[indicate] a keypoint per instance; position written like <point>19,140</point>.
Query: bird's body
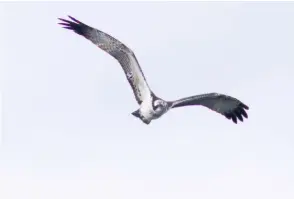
<point>151,106</point>
<point>146,111</point>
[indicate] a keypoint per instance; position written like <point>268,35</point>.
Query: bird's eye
<point>156,106</point>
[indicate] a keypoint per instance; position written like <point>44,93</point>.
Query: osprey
<point>151,106</point>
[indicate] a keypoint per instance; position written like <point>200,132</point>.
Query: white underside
<point>146,109</point>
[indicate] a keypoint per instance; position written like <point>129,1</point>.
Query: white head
<point>160,106</point>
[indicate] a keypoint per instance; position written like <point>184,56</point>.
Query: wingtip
<point>70,17</point>
<point>64,24</point>
<point>234,119</point>
<point>74,19</point>
<point>63,21</point>
<point>69,28</point>
<point>72,24</point>
<point>245,106</point>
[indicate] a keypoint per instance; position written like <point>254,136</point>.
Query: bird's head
<point>159,106</point>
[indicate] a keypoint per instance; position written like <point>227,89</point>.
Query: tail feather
<point>136,113</point>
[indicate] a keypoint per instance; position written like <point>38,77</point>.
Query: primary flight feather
<point>151,106</point>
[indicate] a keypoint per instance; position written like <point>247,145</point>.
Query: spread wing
<point>228,106</point>
<point>116,49</point>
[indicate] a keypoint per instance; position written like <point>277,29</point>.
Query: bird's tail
<point>136,113</point>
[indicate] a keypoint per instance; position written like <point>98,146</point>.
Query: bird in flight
<point>151,106</point>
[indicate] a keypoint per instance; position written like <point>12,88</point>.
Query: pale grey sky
<point>67,127</point>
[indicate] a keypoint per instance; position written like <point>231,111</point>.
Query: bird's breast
<point>146,109</point>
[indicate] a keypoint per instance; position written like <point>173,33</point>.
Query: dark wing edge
<point>96,36</point>
<point>116,49</point>
<point>232,108</point>
<point>75,25</point>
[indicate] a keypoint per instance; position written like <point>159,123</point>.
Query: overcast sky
<point>67,128</point>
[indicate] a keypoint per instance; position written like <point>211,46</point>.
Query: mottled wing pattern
<point>228,106</point>
<point>116,49</point>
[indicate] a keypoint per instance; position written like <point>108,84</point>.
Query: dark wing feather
<point>228,106</point>
<point>116,49</point>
